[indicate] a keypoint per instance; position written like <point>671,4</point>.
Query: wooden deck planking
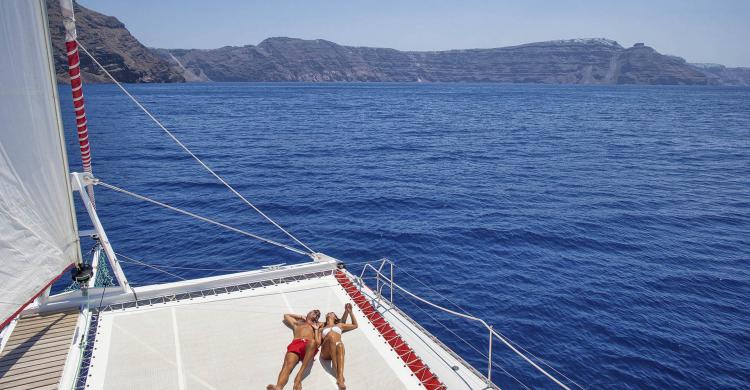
<point>32,377</point>
<point>30,362</point>
<point>43,318</point>
<point>41,378</point>
<point>37,326</point>
<point>53,331</point>
<point>35,354</point>
<point>27,371</point>
<point>49,337</point>
<point>36,350</point>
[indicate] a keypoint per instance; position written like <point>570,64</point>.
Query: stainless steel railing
<point>388,280</point>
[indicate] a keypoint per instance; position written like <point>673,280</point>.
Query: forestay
<point>38,235</point>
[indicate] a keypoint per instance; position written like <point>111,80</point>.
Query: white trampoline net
<point>234,343</point>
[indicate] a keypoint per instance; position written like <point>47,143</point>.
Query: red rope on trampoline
<point>429,380</point>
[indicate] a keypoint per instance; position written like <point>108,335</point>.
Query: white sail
<point>38,233</point>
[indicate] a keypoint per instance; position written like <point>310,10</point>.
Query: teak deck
<point>35,354</point>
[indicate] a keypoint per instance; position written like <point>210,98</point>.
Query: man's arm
<point>292,319</point>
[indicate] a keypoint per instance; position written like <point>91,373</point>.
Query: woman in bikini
<point>333,348</point>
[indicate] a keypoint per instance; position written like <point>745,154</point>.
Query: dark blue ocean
<point>604,229</point>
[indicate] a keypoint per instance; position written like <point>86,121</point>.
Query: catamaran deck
<point>35,354</point>
<point>236,339</point>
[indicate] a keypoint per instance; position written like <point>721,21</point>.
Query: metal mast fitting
<point>79,182</point>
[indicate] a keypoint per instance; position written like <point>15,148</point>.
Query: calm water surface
<point>605,229</point>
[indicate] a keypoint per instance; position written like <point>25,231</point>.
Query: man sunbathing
<point>303,347</point>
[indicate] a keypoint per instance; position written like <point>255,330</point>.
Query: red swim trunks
<point>298,347</point>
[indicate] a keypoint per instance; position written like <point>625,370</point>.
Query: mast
<point>76,84</point>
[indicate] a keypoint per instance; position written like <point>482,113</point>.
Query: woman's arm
<point>353,325</point>
<point>345,316</point>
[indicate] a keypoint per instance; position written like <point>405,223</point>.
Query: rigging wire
<point>231,269</point>
<point>198,269</point>
<point>132,260</point>
<point>211,271</point>
<point>188,151</point>
<point>196,216</point>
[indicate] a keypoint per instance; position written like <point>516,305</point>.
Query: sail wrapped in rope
<point>76,84</point>
<point>38,233</point>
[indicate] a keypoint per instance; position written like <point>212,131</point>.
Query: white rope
<point>185,148</point>
<point>514,343</point>
<point>204,219</point>
<point>486,325</point>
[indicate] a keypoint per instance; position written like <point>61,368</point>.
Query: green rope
<point>103,276</point>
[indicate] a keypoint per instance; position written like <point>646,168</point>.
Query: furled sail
<point>38,234</point>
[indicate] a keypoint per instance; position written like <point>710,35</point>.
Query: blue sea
<point>605,230</point>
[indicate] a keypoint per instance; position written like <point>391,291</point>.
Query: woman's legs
<point>340,354</point>
<point>325,349</point>
<point>333,350</point>
<point>333,353</point>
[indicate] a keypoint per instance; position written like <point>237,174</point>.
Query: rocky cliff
<point>574,61</point>
<point>722,75</point>
<point>111,43</point>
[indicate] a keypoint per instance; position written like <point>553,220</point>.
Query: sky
<point>716,31</point>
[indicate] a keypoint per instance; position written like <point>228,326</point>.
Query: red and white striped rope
<point>74,70</point>
<point>76,84</point>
